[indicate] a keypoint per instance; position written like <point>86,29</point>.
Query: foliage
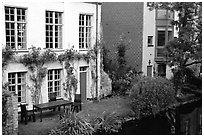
<point>187,79</point>
<point>109,123</point>
<point>7,55</point>
<point>186,50</point>
<point>70,81</point>
<point>122,85</point>
<point>151,95</point>
<point>71,54</point>
<point>121,74</point>
<point>70,124</point>
<point>35,60</point>
<point>5,95</point>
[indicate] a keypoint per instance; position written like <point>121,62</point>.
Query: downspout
<point>97,51</point>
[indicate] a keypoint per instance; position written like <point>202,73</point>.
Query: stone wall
<point>12,117</point>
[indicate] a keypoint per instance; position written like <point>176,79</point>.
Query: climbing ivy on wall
<point>35,59</point>
<point>7,55</point>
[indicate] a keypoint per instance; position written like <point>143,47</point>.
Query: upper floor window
<point>15,22</point>
<point>161,38</point>
<point>17,84</point>
<point>84,31</point>
<point>164,14</point>
<point>150,41</point>
<point>53,29</point>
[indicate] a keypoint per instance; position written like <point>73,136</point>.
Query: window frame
<point>85,31</point>
<point>53,80</point>
<point>150,44</point>
<point>53,42</point>
<point>16,23</point>
<point>16,84</point>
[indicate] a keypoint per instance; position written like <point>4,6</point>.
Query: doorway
<point>83,83</point>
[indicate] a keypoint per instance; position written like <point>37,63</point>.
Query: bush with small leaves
<point>151,95</point>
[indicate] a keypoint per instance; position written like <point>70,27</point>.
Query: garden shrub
<point>151,95</point>
<point>108,123</point>
<point>5,95</point>
<point>70,124</point>
<point>123,85</point>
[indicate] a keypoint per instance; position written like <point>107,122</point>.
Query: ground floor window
<point>17,84</point>
<point>54,82</point>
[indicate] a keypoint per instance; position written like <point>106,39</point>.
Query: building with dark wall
<point>119,18</point>
<point>146,30</point>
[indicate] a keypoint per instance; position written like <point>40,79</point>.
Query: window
<point>149,71</point>
<point>150,41</point>
<point>53,29</point>
<point>84,31</point>
<point>161,42</point>
<point>161,38</point>
<point>15,22</point>
<point>17,84</point>
<point>54,82</point>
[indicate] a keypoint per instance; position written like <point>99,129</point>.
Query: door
<point>149,71</point>
<point>83,83</point>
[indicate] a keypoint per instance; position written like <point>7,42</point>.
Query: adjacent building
<point>146,30</point>
<point>50,25</point>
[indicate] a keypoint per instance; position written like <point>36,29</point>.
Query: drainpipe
<point>97,51</point>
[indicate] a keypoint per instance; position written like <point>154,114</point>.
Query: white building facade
<point>50,25</point>
<point>157,31</point>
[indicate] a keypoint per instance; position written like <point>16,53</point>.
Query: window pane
<point>21,35</point>
<point>161,38</point>
<point>49,74</point>
<point>84,31</point>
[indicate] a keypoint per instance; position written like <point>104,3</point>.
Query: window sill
<point>55,50</point>
<point>150,45</point>
<point>59,98</point>
<point>20,50</point>
<point>83,49</point>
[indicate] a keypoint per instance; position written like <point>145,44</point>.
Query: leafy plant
<point>35,60</point>
<point>5,95</point>
<point>109,123</point>
<point>151,95</point>
<point>186,50</point>
<point>70,124</point>
<point>122,75</point>
<point>7,55</point>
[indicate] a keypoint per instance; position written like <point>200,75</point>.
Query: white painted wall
<point>148,30</point>
<point>36,34</point>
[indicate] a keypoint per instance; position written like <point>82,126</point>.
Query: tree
<point>186,50</point>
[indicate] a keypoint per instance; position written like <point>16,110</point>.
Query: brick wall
<point>124,18</point>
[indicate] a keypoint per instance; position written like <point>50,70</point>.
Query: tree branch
<point>195,62</point>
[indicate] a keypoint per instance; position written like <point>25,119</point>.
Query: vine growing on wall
<point>7,55</point>
<point>5,95</point>
<point>35,60</point>
<point>67,57</point>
